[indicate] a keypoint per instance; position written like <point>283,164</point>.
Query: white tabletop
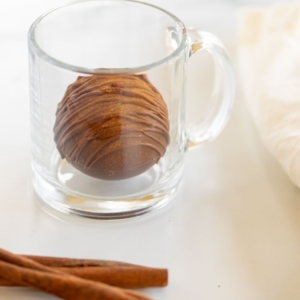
<point>233,232</point>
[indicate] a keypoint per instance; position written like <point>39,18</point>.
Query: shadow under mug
<point>107,88</point>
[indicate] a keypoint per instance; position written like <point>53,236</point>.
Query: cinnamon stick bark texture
<point>115,273</point>
<point>52,261</point>
<point>79,279</point>
<point>125,277</point>
<point>65,286</point>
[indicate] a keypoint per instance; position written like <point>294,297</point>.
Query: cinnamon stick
<point>125,277</point>
<point>66,287</point>
<point>26,272</point>
<point>115,273</point>
<point>52,261</point>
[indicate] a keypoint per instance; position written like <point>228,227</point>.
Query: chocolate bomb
<point>112,126</point>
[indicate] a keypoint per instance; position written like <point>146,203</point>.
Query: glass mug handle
<point>221,101</point>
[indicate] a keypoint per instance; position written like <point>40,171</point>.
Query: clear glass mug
<point>107,88</point>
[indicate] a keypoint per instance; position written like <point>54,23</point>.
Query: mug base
<point>108,200</point>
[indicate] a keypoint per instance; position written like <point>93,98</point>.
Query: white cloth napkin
<point>269,61</point>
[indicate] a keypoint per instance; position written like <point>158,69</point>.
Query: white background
<point>232,233</point>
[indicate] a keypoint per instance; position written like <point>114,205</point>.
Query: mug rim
<point>37,50</point>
